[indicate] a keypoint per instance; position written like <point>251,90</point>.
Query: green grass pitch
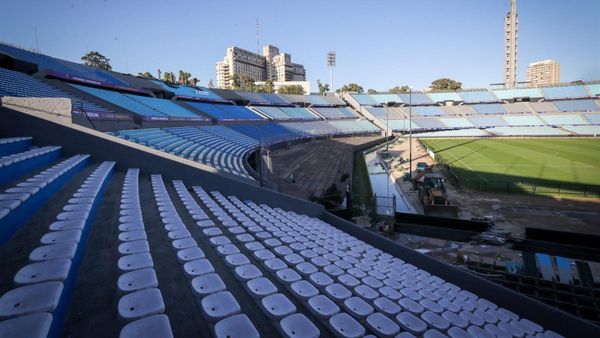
<point>547,163</point>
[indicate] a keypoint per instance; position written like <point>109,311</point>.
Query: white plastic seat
<point>298,326</point>
<point>287,276</point>
<point>206,284</point>
<point>179,234</point>
<point>238,326</point>
<point>65,236</point>
<point>227,249</point>
<point>303,290</point>
<point>478,332</point>
<point>198,267</point>
<point>431,306</point>
<point>381,325</point>
<point>306,268</point>
<point>183,243</point>
<point>338,292</point>
<point>219,305</point>
<point>78,224</point>
<point>496,331</point>
<point>322,307</point>
<point>455,320</point>
<point>333,270</point>
<point>260,287</point>
<point>247,272</point>
<point>254,246</point>
<point>32,326</point>
<point>456,332</point>
<point>410,322</point>
<point>390,293</point>
<point>386,306</point>
<point>51,270</point>
<point>277,306</point>
<point>43,297</point>
<point>358,307</point>
<point>137,280</point>
<point>205,223</point>
<point>366,292</point>
<point>53,251</point>
<point>236,260</point>
<point>471,318</point>
<point>135,262</point>
<point>434,320</point>
<point>348,280</point>
<point>189,254</point>
<point>133,247</point>
<point>345,326</point>
<point>156,326</point>
<point>212,232</point>
<point>512,329</point>
<point>219,240</point>
<point>320,279</point>
<point>131,226</point>
<point>263,254</point>
<point>140,304</point>
<point>274,264</point>
<point>135,235</point>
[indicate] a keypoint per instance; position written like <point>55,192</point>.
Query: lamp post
<point>410,133</point>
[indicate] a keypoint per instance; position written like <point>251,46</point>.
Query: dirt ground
<point>509,212</point>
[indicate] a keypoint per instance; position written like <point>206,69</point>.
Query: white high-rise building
<point>272,65</point>
<point>543,73</point>
<point>511,29</point>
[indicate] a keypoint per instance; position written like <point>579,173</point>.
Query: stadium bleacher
<point>14,83</point>
<point>490,108</point>
<point>523,120</point>
<point>336,113</point>
<point>445,96</point>
<point>456,122</point>
<point>565,92</point>
<point>223,112</point>
<point>527,131</point>
<point>487,121</point>
<point>478,96</point>
<point>510,94</point>
<point>428,111</point>
<point>217,146</point>
<point>564,119</point>
<point>62,67</point>
<point>576,105</point>
<point>147,107</point>
<point>189,92</point>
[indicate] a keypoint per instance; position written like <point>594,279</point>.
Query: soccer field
<point>540,165</point>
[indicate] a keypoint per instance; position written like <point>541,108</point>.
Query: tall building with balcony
<point>272,65</point>
<point>542,73</point>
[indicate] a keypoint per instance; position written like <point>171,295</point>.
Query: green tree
<point>146,75</point>
<point>293,90</point>
<point>399,90</point>
<point>445,84</point>
<point>267,87</point>
<point>351,87</point>
<point>371,91</point>
<point>193,82</point>
<point>96,60</point>
<point>323,87</point>
<point>169,77</point>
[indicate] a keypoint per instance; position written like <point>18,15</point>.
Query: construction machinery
<point>432,194</point>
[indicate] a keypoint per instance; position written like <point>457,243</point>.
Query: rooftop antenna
<point>37,47</point>
<point>331,63</point>
<point>257,35</point>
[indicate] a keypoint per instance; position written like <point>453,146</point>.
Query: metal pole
<point>387,128</point>
<point>330,79</point>
<point>410,133</point>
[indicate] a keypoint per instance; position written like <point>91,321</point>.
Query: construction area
<point>318,170</point>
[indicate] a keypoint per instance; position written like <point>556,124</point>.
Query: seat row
<point>420,302</point>
<point>218,305</point>
<point>12,166</point>
<point>11,145</point>
<point>141,304</point>
<point>18,203</point>
<point>227,238</point>
<point>38,305</point>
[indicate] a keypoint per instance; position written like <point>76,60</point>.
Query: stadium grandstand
<point>158,226</point>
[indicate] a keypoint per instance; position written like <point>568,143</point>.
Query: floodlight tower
<point>331,64</point>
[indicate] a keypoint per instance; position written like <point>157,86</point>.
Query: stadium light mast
<point>410,133</point>
<point>331,63</point>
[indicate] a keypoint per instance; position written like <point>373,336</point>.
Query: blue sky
<point>379,44</point>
